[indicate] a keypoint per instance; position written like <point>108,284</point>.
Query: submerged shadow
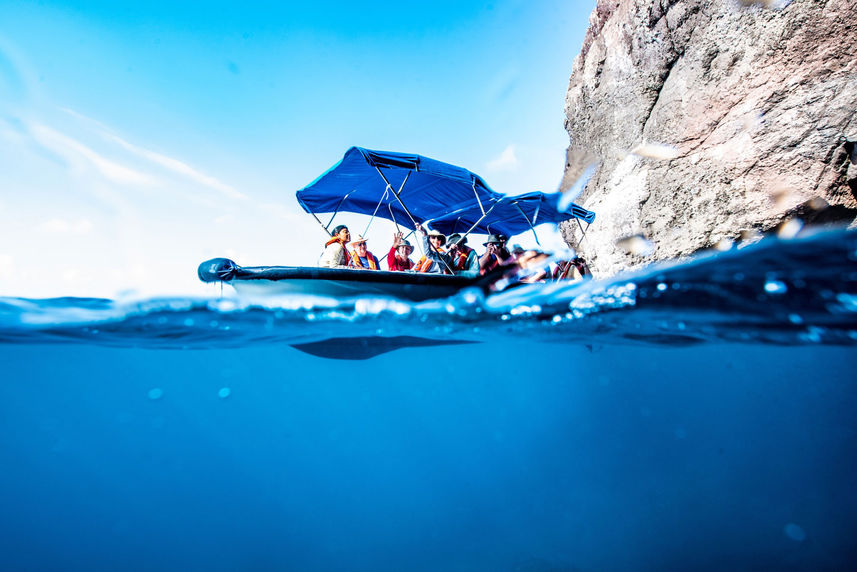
<point>368,346</point>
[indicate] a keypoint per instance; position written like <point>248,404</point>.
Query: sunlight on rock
<point>637,245</point>
<point>657,151</point>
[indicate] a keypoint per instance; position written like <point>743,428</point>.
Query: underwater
<point>691,415</point>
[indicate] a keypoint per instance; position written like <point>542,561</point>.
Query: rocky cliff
<point>708,120</point>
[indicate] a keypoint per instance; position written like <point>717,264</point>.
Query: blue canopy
<point>398,187</point>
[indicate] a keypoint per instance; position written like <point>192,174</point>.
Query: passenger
<point>574,269</point>
<point>399,257</point>
<point>335,254</point>
<point>435,260</point>
<point>465,258</point>
<point>496,253</point>
<point>534,266</point>
<point>362,258</point>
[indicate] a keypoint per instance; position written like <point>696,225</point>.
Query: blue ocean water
<point>691,416</point>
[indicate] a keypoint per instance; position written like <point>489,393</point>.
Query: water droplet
<point>637,244</point>
<point>657,151</point>
<point>790,228</point>
<point>794,532</point>
<point>662,287</point>
<point>775,287</point>
<point>156,393</point>
<point>795,319</point>
<point>224,392</point>
<point>213,323</point>
<point>188,322</point>
<point>723,244</point>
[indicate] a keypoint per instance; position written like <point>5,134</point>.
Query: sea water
<point>699,415</point>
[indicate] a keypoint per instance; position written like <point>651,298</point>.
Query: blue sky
<point>137,141</point>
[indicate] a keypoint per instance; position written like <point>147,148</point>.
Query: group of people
<point>443,255</point>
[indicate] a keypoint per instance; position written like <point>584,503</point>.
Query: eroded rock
<point>758,103</point>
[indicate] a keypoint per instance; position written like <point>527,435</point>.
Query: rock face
<point>757,105</point>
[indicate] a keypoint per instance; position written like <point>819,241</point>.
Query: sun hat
<point>494,239</point>
<point>358,239</point>
<point>457,239</point>
<point>406,244</point>
<point>438,234</point>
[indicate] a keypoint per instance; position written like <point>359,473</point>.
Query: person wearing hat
<point>496,253</point>
<point>435,260</point>
<point>399,257</point>
<point>362,258</point>
<point>465,258</point>
<point>335,253</point>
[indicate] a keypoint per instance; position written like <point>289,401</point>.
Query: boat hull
<point>335,282</point>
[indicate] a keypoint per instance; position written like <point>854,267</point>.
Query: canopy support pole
<point>322,224</point>
<point>384,196</point>
<point>477,197</point>
<point>398,198</point>
<point>583,232</point>
<point>532,228</point>
<point>475,224</point>
<point>333,216</point>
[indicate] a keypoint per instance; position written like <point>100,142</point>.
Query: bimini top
<point>406,188</point>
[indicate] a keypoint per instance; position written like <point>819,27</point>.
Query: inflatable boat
<point>258,281</point>
<point>407,190</point>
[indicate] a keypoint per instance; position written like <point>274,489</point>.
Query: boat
<point>339,283</point>
<point>407,190</point>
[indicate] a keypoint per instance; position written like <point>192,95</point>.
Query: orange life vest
<point>355,259</point>
<point>424,263</point>
<point>340,241</point>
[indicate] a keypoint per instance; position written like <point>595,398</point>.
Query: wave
<point>792,292</point>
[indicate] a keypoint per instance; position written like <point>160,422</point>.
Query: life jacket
<point>348,260</point>
<point>424,263</point>
<point>461,259</point>
<point>355,260</point>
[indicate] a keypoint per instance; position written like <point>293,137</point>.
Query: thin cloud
<point>505,161</point>
<point>178,167</point>
<point>79,155</point>
<point>62,226</point>
<point>169,163</point>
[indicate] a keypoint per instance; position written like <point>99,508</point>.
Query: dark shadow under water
<point>498,456</point>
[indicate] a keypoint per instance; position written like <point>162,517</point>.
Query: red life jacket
<point>461,259</point>
<point>355,260</point>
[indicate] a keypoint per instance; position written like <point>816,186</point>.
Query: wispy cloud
<point>79,157</point>
<point>505,161</point>
<point>62,226</point>
<point>170,163</point>
<point>178,167</point>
